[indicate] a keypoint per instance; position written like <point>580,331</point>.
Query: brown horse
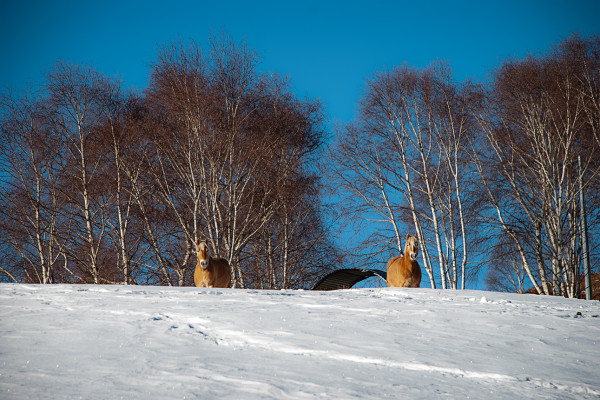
<point>405,271</point>
<point>211,272</point>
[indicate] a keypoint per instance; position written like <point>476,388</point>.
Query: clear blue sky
<point>327,48</point>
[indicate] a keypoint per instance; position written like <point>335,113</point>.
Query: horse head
<point>412,246</point>
<point>202,253</point>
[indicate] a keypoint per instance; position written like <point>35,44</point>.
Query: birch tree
<point>124,144</point>
<point>77,109</point>
<point>224,141</point>
<point>402,161</point>
<point>31,206</point>
<point>537,120</point>
<point>111,187</point>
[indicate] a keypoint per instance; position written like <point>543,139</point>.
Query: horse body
<point>404,271</point>
<point>211,272</point>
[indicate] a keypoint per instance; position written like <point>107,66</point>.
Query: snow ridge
<point>102,342</point>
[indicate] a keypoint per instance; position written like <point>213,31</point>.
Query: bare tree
<point>121,137</point>
<point>505,271</point>
<point>538,118</point>
<point>201,169</point>
<point>225,142</point>
<point>404,161</point>
<point>76,102</point>
<point>30,202</point>
<point>121,186</point>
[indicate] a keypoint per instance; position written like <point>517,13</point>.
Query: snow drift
<point>131,342</point>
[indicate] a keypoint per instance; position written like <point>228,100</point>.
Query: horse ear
<point>407,236</point>
<point>416,236</point>
<point>197,242</point>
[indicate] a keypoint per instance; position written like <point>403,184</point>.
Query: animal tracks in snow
<point>274,341</point>
<point>156,342</point>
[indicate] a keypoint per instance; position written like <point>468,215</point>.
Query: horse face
<point>202,254</point>
<point>412,246</point>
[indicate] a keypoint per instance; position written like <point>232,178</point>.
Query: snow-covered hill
<point>130,342</point>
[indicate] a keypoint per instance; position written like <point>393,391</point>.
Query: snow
<point>132,342</point>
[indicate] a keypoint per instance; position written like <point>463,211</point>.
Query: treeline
<point>100,185</point>
<point>486,174</point>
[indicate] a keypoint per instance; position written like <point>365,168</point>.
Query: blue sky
<point>327,48</point>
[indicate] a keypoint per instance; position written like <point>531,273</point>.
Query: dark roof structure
<point>346,278</point>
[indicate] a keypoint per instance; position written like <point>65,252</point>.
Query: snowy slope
<point>130,342</point>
